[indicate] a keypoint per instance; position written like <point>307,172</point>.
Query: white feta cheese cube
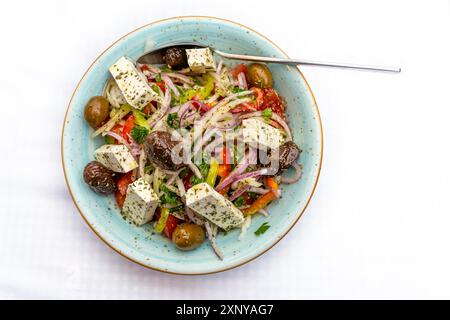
<point>200,60</point>
<point>115,157</point>
<point>210,204</point>
<point>133,84</point>
<point>140,202</point>
<point>261,135</point>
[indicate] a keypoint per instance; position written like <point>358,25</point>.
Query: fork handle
<point>306,62</point>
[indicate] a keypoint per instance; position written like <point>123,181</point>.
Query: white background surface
<point>379,223</point>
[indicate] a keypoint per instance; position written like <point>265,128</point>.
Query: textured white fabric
<point>378,224</point>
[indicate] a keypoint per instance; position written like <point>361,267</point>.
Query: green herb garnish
<point>139,133</point>
<point>204,168</point>
<point>263,228</point>
<point>168,196</point>
<point>158,77</point>
<point>239,202</point>
<point>173,121</point>
<point>177,208</point>
<point>236,90</point>
<point>267,114</point>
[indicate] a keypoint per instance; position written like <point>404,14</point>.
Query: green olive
<point>188,236</point>
<point>96,111</point>
<point>259,75</point>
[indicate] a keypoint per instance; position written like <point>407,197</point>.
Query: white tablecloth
<point>378,225</point>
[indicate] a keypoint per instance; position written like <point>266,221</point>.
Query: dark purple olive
<point>99,178</point>
<point>161,150</point>
<point>176,58</point>
<point>281,158</point>
<point>288,153</point>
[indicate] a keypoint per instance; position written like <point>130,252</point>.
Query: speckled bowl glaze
<point>140,244</point>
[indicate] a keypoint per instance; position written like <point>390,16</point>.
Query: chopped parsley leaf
<point>138,133</point>
<point>236,89</point>
<point>239,202</point>
<point>173,121</point>
<point>177,208</point>
<point>168,196</point>
<point>263,228</point>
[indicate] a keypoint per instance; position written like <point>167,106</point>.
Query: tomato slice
<point>273,101</point>
<point>238,69</point>
<point>171,223</point>
<point>259,97</point>
<point>124,181</point>
<point>120,198</point>
<point>161,85</point>
<point>127,127</point>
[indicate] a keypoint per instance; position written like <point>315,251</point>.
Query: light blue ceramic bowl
<point>139,244</point>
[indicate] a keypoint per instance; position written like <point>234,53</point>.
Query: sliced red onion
<point>170,84</point>
<point>173,177</point>
<point>161,112</point>
<point>231,121</point>
<point>180,77</point>
<point>195,170</point>
<point>212,239</point>
<point>232,177</point>
<point>184,108</point>
<point>135,151</point>
<point>239,191</point>
<point>283,123</point>
<point>236,173</point>
<point>135,147</point>
<point>141,164</point>
<point>189,120</point>
<point>184,71</point>
<point>252,174</point>
<point>258,190</point>
<point>174,109</point>
<point>180,186</point>
<point>193,217</point>
<point>223,102</point>
<point>212,99</point>
<point>295,177</point>
<point>219,66</point>
<point>275,117</point>
<point>226,125</point>
<point>242,81</point>
<point>251,115</point>
<point>263,212</point>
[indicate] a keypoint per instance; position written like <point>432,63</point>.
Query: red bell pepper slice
<point>225,166</point>
<point>127,127</point>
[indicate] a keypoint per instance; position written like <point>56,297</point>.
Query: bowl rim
<point>110,245</point>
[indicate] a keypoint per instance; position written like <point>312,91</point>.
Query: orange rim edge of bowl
<point>200,273</point>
